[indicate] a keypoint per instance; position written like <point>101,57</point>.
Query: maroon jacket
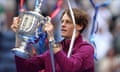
<point>81,60</point>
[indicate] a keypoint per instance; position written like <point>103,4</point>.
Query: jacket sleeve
<point>75,62</point>
<point>32,65</point>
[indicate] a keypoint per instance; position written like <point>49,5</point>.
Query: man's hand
<point>49,28</point>
<point>15,24</point>
<point>14,27</point>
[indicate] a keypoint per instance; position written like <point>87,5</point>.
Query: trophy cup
<point>28,28</point>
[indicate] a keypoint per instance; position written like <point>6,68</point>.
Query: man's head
<point>81,20</point>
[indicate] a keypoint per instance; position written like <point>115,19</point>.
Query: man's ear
<point>79,27</point>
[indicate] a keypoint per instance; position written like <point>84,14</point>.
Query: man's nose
<point>63,24</point>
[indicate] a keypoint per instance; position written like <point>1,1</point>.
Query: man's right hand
<point>15,24</point>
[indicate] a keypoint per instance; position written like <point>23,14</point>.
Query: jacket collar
<point>66,42</point>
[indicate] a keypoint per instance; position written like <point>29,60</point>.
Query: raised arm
<point>14,27</point>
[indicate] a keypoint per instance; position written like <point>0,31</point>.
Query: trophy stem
<point>23,45</point>
<point>21,51</point>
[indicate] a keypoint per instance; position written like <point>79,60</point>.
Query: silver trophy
<point>31,21</point>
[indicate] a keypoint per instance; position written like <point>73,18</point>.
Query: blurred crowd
<point>107,37</point>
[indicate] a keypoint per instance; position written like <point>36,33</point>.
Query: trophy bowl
<point>28,28</point>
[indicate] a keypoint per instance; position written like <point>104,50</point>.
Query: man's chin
<point>64,36</point>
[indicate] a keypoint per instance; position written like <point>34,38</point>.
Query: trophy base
<point>21,53</point>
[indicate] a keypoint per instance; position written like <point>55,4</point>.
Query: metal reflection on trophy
<point>31,21</point>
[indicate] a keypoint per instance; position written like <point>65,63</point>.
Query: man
<point>82,56</point>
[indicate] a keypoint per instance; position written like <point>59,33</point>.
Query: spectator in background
<point>103,33</point>
<point>116,34</point>
<point>7,37</point>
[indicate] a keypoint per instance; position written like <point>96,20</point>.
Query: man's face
<point>66,26</point>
